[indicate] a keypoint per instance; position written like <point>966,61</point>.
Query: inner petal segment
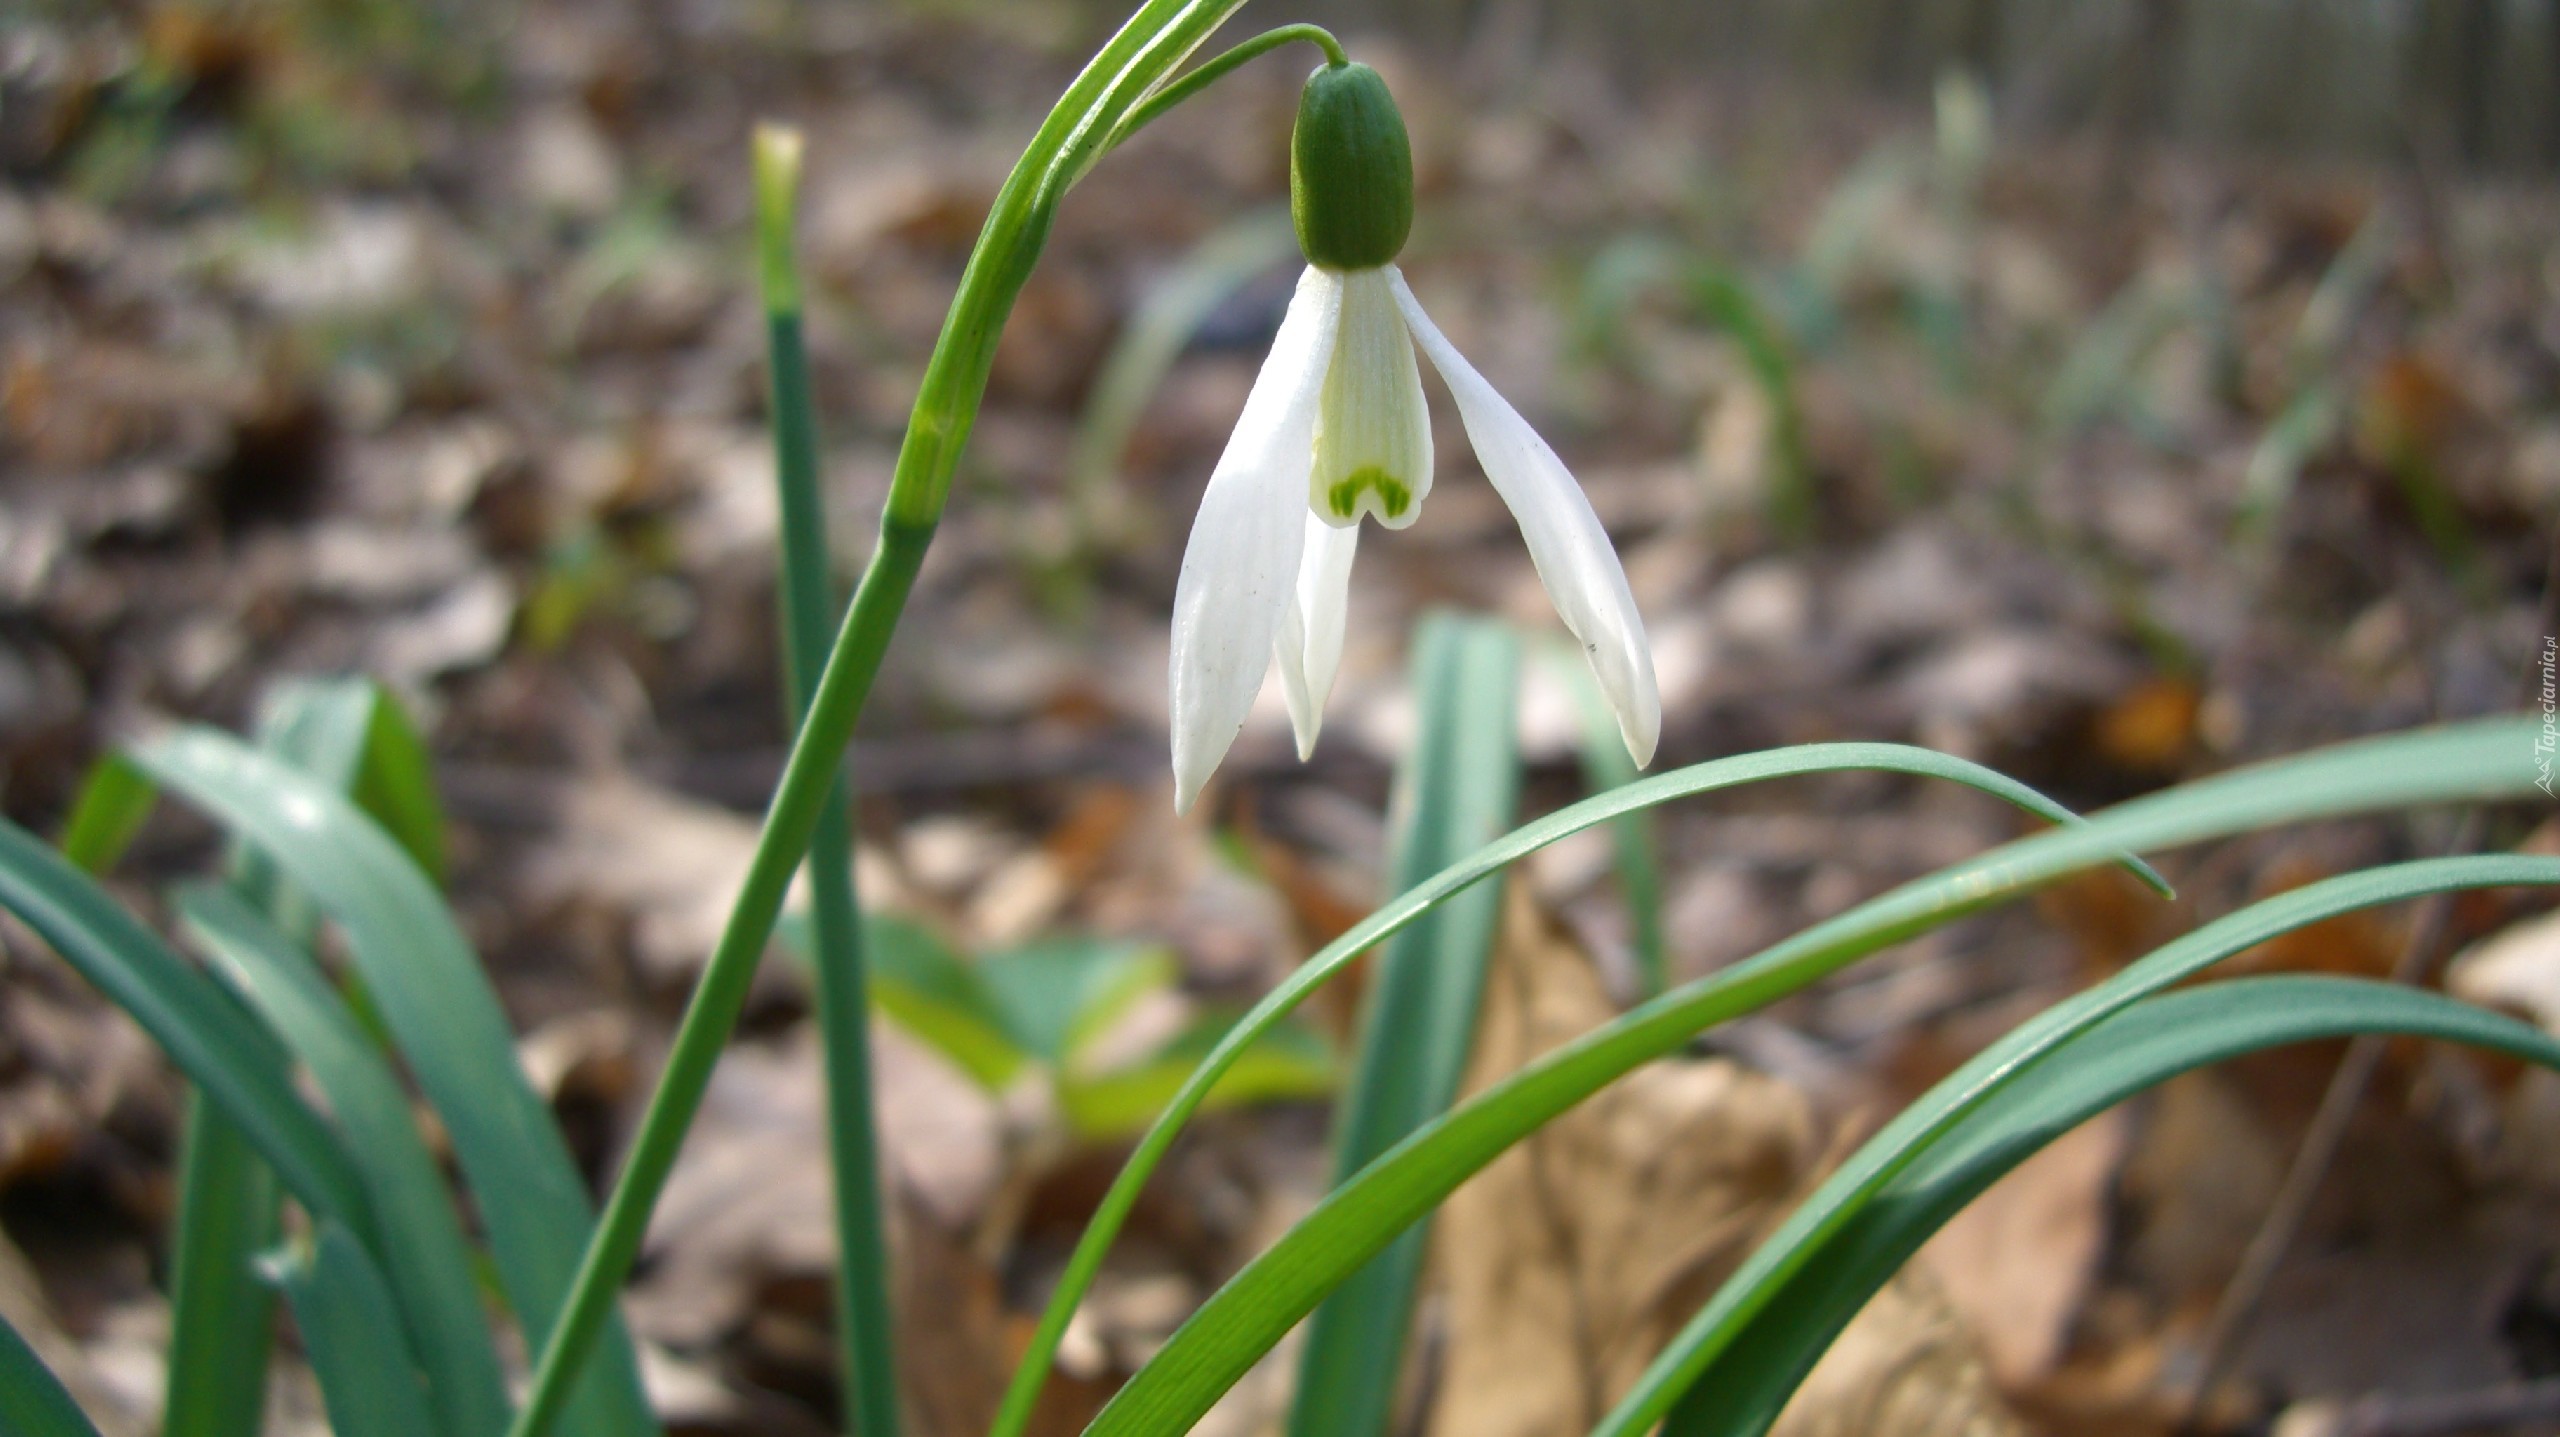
<point>1373,433</point>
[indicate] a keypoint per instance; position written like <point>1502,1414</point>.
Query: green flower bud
<point>1350,170</point>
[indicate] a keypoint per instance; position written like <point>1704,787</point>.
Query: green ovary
<point>1394,497</point>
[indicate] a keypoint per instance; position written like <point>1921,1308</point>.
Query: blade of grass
<point>1290,1062</point>
<point>1058,996</point>
<point>114,799</point>
<point>427,984</point>
<point>32,1400</point>
<point>1086,1260</point>
<point>221,1317</point>
<point>1749,1294</point>
<point>425,1259</point>
<point>230,1211</point>
<point>1459,790</point>
<point>352,1335</point>
<point>352,735</point>
<point>326,728</point>
<point>221,1314</point>
<point>1241,1321</point>
<point>2135,1050</point>
<point>206,1034</point>
<point>864,1322</point>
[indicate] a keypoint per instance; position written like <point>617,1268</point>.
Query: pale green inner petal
<point>1373,433</point>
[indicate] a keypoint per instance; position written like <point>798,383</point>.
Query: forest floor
<point>342,343</point>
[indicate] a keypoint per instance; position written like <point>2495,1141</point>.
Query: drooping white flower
<point>1335,430</point>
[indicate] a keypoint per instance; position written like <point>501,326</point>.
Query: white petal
<point>1311,635</point>
<point>1238,569</point>
<point>1373,433</point>
<point>1566,542</point>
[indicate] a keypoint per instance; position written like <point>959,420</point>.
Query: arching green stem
<point>1211,71</point>
<point>1129,69</point>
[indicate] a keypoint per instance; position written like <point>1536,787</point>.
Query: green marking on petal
<point>1394,495</point>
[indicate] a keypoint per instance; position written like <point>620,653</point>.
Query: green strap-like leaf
<point>2139,1048</point>
<point>424,1257</point>
<point>1459,791</point>
<point>32,1400</point>
<point>1057,996</point>
<point>219,1047</point>
<point>428,986</point>
<point>220,1328</point>
<point>221,1317</point>
<point>1289,1062</point>
<point>1240,1322</point>
<point>114,799</point>
<point>1086,1261</point>
<point>932,992</point>
<point>2016,1059</point>
<point>352,735</point>
<point>351,1332</point>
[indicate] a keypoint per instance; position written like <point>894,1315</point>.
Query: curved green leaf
<point>2016,1058</point>
<point>1058,995</point>
<point>352,735</point>
<point>1289,1062</point>
<point>1241,1321</point>
<point>221,1324</point>
<point>221,1317</point>
<point>932,992</point>
<point>2139,1048</point>
<point>218,1046</point>
<point>114,800</point>
<point>1405,908</point>
<point>350,1331</point>
<point>427,984</point>
<point>425,1259</point>
<point>32,1400</point>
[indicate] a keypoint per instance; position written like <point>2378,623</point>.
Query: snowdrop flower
<point>1335,430</point>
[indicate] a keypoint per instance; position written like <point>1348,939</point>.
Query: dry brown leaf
<point>953,1353</point>
<point>1569,1262</point>
<point>1905,1368</point>
<point>2516,969</point>
<point>751,1203</point>
<point>2017,1263</point>
<point>672,863</point>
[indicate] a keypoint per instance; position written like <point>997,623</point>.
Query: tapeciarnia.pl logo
<point>2549,740</point>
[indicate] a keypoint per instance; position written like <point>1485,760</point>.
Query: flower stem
<point>1077,132</point>
<point>865,1352</point>
<point>807,778</point>
<point>1211,71</point>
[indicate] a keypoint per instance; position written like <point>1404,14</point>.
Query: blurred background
<point>2113,391</point>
